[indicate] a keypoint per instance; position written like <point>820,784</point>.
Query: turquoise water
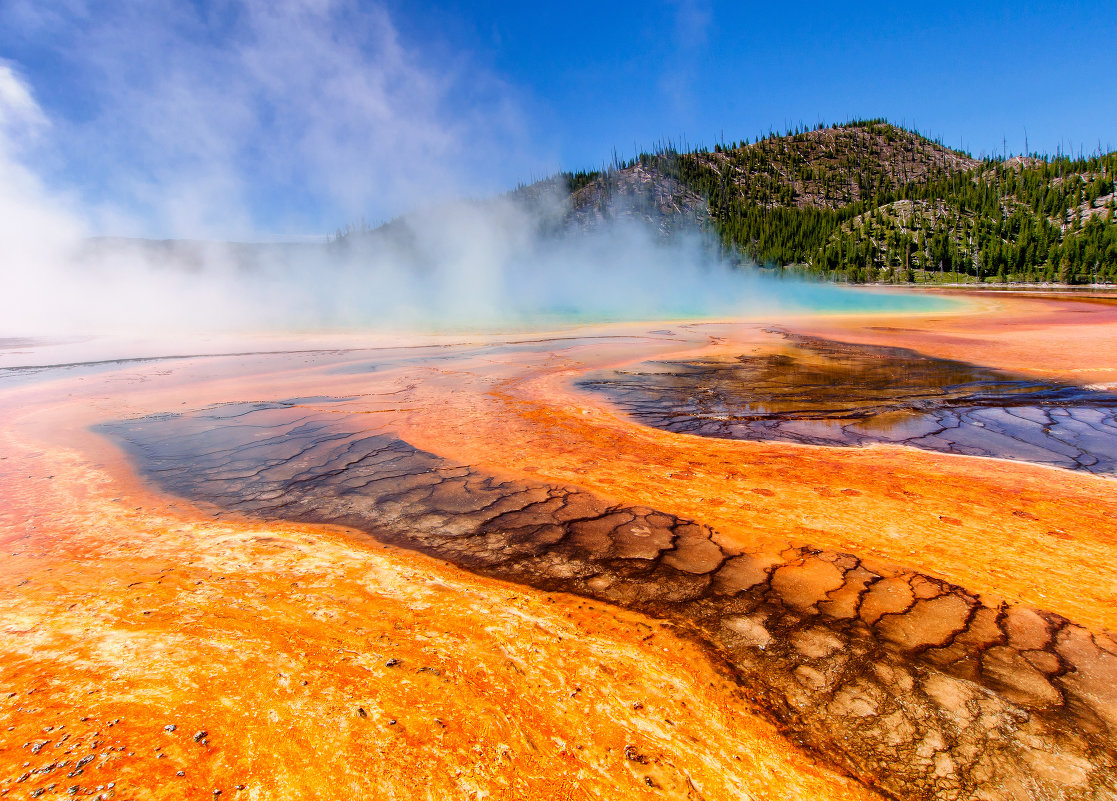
<point>743,298</point>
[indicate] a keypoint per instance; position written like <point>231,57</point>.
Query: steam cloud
<point>197,133</point>
<point>496,263</point>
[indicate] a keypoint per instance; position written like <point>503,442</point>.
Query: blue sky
<point>973,73</point>
<point>290,117</point>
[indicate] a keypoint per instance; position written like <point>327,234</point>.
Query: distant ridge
<point>871,201</point>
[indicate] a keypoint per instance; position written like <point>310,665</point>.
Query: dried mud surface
<point>821,392</point>
<point>913,684</point>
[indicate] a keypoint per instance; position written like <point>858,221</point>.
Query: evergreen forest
<point>868,201</point>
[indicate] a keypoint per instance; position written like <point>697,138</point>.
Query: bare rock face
<point>914,685</point>
<point>640,193</point>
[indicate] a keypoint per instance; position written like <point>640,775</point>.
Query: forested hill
<point>869,201</point>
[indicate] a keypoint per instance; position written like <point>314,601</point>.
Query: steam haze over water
<point>464,265</point>
<point>271,121</point>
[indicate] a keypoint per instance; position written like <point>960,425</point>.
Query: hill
<point>870,201</point>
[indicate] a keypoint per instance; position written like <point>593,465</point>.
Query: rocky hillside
<point>869,201</point>
<point>829,168</point>
<point>650,191</point>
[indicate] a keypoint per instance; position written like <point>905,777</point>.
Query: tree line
<point>869,201</point>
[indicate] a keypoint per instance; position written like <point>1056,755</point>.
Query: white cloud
<point>192,123</point>
<point>233,120</point>
<point>195,121</point>
<point>20,115</point>
<point>37,226</point>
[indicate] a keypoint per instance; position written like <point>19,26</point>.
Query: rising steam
<point>198,135</point>
<point>493,264</point>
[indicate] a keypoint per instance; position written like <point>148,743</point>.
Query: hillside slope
<point>869,201</point>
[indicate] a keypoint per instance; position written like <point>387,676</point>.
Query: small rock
<point>199,735</point>
<point>361,712</point>
<point>633,755</point>
<point>392,722</point>
<point>392,662</point>
<point>170,727</point>
<point>181,773</point>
